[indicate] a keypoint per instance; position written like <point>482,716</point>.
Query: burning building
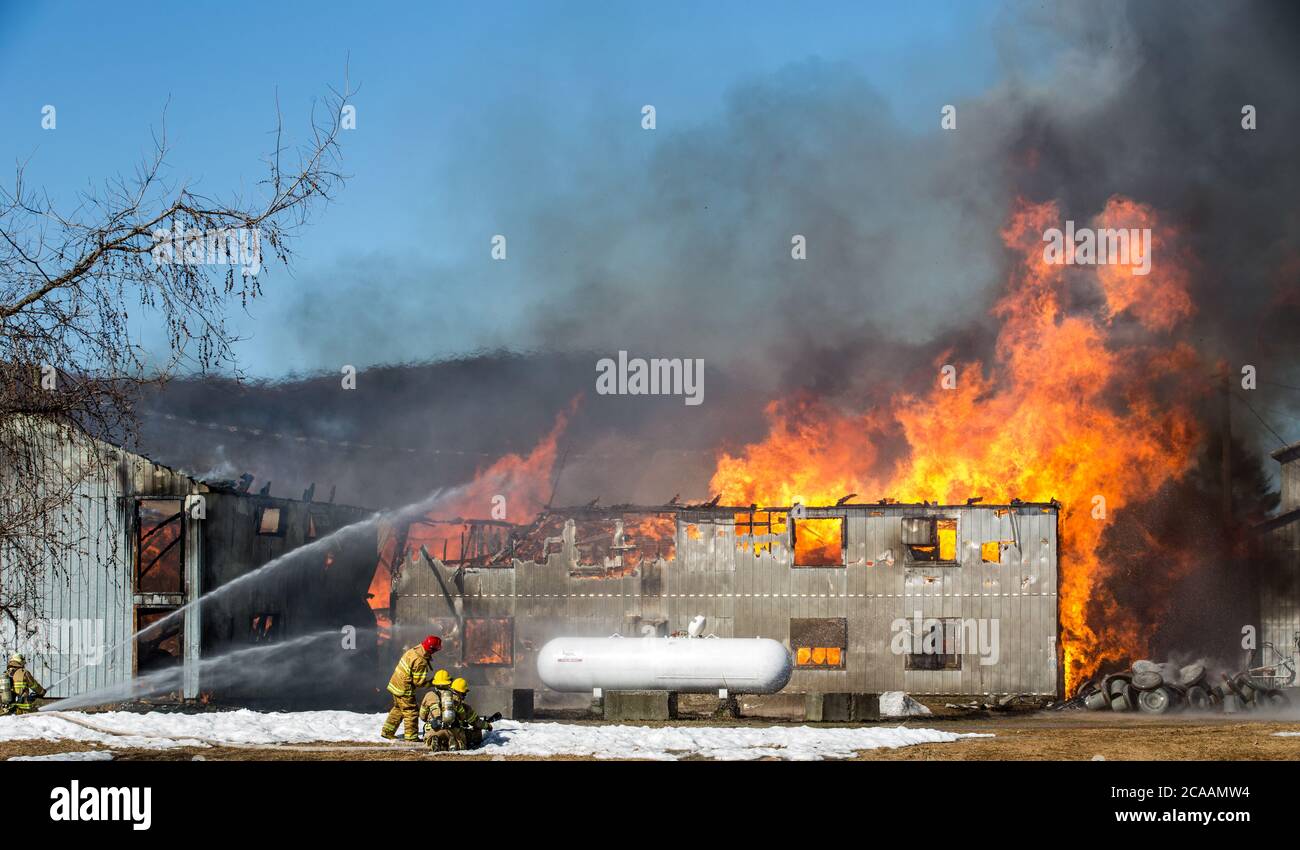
<point>140,542</point>
<point>925,598</point>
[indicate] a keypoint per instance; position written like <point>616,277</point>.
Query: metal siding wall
<point>1279,603</point>
<point>744,595</point>
<point>1289,474</point>
<point>193,648</point>
<point>95,586</point>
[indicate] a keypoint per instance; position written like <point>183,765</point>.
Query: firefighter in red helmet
<point>412,672</point>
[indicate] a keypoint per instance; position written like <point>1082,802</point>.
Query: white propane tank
<point>685,665</point>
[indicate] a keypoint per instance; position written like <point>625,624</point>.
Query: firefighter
<point>436,699</point>
<point>462,728</point>
<point>22,684</point>
<point>412,672</point>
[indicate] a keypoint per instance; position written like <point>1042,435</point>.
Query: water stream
<point>249,666</point>
<point>311,553</point>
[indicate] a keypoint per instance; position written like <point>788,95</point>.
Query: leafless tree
<point>73,282</point>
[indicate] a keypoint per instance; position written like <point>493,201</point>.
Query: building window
<point>931,539</point>
<point>758,530</point>
<point>158,640</point>
<point>315,527</point>
<point>819,542</point>
<point>937,647</point>
<point>270,521</point>
<point>819,643</point>
<point>490,640</point>
<point>159,551</point>
<point>264,628</point>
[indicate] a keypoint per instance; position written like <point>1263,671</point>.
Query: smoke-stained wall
<point>327,559</point>
<point>1279,589</point>
<point>746,572</point>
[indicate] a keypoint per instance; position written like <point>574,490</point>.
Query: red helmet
<point>432,643</point>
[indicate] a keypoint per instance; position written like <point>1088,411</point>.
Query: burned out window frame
<point>934,537</point>
<point>281,522</point>
<point>465,642</point>
<point>143,633</point>
<point>479,534</point>
<point>793,524</point>
<point>940,665</point>
<point>316,526</point>
<point>840,624</point>
<point>178,545</point>
<point>265,627</point>
<point>765,546</point>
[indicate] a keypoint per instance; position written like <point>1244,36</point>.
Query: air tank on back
<point>681,664</point>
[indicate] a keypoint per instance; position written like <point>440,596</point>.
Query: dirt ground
<point>1066,735</point>
<point>1085,736</point>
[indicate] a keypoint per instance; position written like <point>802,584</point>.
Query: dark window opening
<point>930,539</point>
<point>159,642</point>
<point>819,542</point>
<point>939,646</point>
<point>316,527</point>
<point>819,643</point>
<point>490,640</point>
<point>160,550</point>
<point>264,628</point>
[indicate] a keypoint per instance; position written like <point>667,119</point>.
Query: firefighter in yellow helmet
<point>412,672</point>
<point>21,685</point>
<point>462,728</point>
<point>435,701</point>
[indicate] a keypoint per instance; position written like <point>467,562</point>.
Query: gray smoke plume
<point>679,247</point>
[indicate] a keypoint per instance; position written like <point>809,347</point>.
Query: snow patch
<point>157,730</point>
<point>899,704</point>
<point>81,755</point>
<point>733,743</point>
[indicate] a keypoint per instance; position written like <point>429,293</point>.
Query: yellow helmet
<point>441,679</point>
<point>460,686</point>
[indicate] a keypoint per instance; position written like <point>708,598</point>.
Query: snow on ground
<point>899,704</point>
<point>161,730</point>
<point>82,755</point>
<point>800,743</point>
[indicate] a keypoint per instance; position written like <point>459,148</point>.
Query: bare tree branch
<point>72,281</point>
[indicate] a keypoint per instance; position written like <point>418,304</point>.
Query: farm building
<point>922,598</point>
<point>1279,597</point>
<point>138,541</point>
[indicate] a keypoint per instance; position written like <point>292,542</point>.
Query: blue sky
<point>438,85</point>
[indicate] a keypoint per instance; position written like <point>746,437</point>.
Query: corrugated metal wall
<point>1279,603</point>
<point>90,594</point>
<point>93,590</point>
<point>744,595</point>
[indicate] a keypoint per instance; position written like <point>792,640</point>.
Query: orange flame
<point>523,481</point>
<point>1069,409</point>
